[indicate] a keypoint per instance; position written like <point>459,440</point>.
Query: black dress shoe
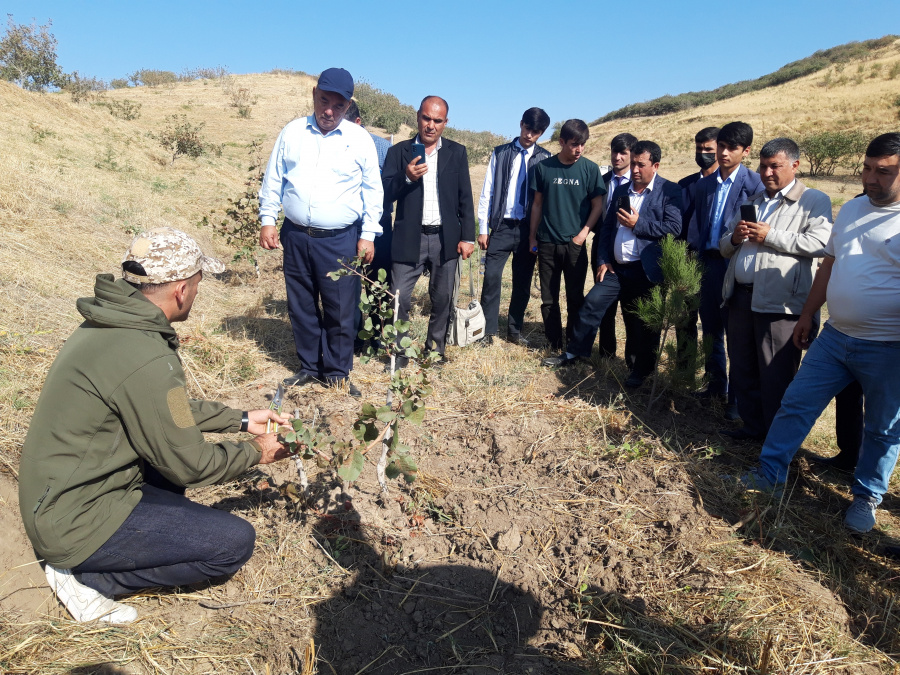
<point>560,361</point>
<point>352,389</point>
<point>742,435</point>
<point>634,381</point>
<point>518,340</point>
<point>297,379</point>
<point>706,394</point>
<point>487,341</point>
<point>839,462</point>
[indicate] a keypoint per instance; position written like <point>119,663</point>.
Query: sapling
<point>375,426</point>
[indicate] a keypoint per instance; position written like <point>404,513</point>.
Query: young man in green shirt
<point>568,201</point>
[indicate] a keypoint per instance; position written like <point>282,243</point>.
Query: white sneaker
<point>86,604</point>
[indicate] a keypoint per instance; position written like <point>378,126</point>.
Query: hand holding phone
<point>417,167</point>
<point>748,213</point>
<point>624,204</point>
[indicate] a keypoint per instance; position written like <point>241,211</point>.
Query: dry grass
<point>748,586</point>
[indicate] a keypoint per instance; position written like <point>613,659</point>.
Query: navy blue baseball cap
<point>337,80</point>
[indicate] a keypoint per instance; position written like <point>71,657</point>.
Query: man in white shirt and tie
<point>504,221</point>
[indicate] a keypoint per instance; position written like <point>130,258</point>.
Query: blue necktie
<point>715,230</point>
<point>522,187</point>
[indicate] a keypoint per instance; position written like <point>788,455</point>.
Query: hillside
<point>557,526</point>
<point>860,94</point>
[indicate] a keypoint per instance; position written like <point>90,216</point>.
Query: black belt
<point>513,221</point>
<point>713,253</point>
<point>320,232</point>
<point>431,229</point>
<point>744,287</point>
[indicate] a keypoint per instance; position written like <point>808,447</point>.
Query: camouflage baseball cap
<point>167,254</point>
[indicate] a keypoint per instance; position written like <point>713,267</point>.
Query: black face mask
<point>705,160</point>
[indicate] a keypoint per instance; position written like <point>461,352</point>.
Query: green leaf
<point>406,342</point>
<point>406,408</point>
<point>350,472</point>
<point>297,424</point>
<point>382,275</point>
<point>290,437</point>
<point>401,326</point>
<point>407,466</point>
<point>335,275</point>
<point>386,415</point>
<point>417,416</point>
<point>369,411</point>
<point>391,470</point>
<point>368,323</point>
<point>364,359</point>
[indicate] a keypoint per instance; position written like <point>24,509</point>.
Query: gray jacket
<point>782,277</point>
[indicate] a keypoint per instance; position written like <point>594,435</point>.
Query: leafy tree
<point>180,137</point>
<point>28,56</point>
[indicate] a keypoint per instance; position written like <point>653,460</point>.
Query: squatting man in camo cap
<point>115,441</point>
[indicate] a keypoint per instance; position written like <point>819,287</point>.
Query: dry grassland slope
<point>557,527</point>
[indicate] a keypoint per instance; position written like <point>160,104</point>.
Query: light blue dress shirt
<point>321,180</point>
<point>715,229</point>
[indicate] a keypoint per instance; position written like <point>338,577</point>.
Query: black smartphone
<point>624,203</point>
<point>418,150</point>
<point>748,213</point>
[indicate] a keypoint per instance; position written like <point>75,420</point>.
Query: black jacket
<point>454,193</point>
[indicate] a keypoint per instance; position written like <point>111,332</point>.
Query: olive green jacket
<point>114,400</point>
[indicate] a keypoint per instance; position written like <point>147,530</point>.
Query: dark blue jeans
<point>507,238</point>
<point>168,540</point>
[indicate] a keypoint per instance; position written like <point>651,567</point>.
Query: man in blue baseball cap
<point>324,174</point>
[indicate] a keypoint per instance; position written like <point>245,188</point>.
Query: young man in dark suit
<point>503,223</point>
<point>705,156</point>
<point>435,217</point>
<point>716,200</point>
<point>628,256</point>
<point>620,174</point>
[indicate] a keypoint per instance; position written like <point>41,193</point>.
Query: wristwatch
<point>245,421</point>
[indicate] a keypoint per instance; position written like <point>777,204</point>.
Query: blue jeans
<point>835,360</point>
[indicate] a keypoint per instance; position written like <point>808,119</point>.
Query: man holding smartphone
<point>628,253</point>
<point>428,177</point>
<point>771,245</point>
<point>568,201</point>
<point>503,224</point>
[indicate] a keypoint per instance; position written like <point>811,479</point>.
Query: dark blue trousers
<point>509,237</point>
<point>321,309</point>
<point>714,319</point>
<point>166,541</point>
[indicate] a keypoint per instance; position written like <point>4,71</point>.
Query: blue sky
<point>490,60</point>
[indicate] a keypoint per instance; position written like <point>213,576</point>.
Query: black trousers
<point>509,237</point>
<point>554,261</point>
<point>440,289</point>
<point>763,360</point>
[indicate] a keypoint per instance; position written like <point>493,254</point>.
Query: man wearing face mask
<point>705,156</point>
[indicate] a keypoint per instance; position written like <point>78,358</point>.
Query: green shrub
<point>826,150</point>
<point>124,109</point>
<point>152,78</point>
<point>378,108</point>
<point>28,56</point>
<point>479,144</point>
<point>180,137</point>
<point>189,74</point>
<point>894,70</point>
<point>118,82</point>
<point>83,88</point>
<point>244,100</point>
